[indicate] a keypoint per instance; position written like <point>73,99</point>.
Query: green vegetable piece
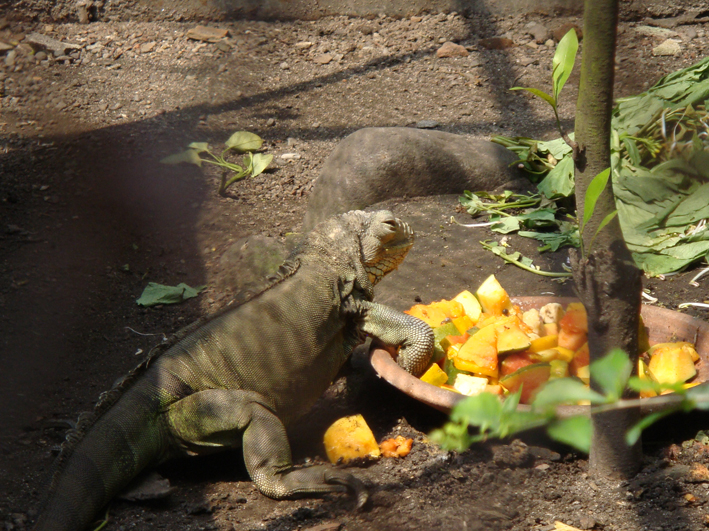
<point>440,333</point>
<point>452,371</point>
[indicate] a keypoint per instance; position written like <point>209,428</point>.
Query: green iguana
<point>240,378</point>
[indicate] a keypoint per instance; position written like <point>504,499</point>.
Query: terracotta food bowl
<point>663,326</point>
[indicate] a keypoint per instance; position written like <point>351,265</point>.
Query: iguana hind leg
<point>233,418</point>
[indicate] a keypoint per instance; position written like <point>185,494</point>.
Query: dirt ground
<point>89,216</point>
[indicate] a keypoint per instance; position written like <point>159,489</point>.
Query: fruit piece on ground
<point>493,297</point>
<point>451,370</point>
<point>582,357</point>
<point>510,338</point>
<point>439,334</point>
<point>350,438</point>
<point>689,347</point>
<point>534,321</point>
<point>463,323</point>
<point>449,341</point>
<point>672,364</point>
<point>551,329</point>
<point>470,304</point>
<point>575,319</point>
<point>552,312</point>
<point>584,374</point>
<point>479,354</point>
<point>544,343</point>
<point>451,309</point>
<point>435,375</point>
<point>433,317</point>
<point>470,385</point>
<point>645,374</point>
<point>529,378</point>
<point>559,369</point>
<point>495,389</point>
<point>397,447</point>
<point>545,355</point>
<point>514,362</point>
<point>571,340</point>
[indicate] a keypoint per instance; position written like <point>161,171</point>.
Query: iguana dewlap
<point>239,379</point>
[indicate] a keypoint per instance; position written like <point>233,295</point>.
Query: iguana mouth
<point>392,252</point>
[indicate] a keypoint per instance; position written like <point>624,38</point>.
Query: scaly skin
<point>239,379</point>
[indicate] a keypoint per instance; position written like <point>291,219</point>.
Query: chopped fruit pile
<point>484,343</point>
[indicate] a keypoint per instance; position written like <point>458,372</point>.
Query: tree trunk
<point>607,280</point>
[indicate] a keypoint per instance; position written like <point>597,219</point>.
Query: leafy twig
<point>520,261</point>
<point>241,142</point>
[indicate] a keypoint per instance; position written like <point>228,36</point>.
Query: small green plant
<point>562,65</point>
<point>241,142</point>
<point>497,418</point>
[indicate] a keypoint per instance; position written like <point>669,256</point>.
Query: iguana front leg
<point>233,418</point>
<point>393,328</point>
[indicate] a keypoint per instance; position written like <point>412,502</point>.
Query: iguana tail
<point>102,456</point>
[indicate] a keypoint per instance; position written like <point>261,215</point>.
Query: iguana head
<point>384,241</point>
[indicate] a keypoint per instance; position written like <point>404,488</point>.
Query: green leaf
<point>483,410</point>
<point>633,434</point>
<point>260,163</point>
<point>506,225</point>
<point>472,203</point>
<point>154,294</point>
<point>605,221</point>
<point>593,192</point>
<point>543,95</point>
<point>632,148</point>
<point>564,391</point>
<point>559,182</point>
<point>575,431</point>
<point>563,62</point>
<point>190,156</point>
<point>243,141</point>
<point>700,395</point>
<point>611,373</point>
<point>557,147</point>
<point>199,147</point>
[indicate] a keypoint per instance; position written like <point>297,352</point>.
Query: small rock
<point>303,45</point>
<point>206,34</point>
<point>223,46</point>
<point>10,58</point>
<point>40,56</point>
<point>526,61</point>
<point>496,43</point>
<point>4,47</point>
<point>651,31</point>
<point>514,455</point>
<point>427,124</point>
<point>587,522</point>
<point>147,47</point>
<point>116,106</point>
<point>539,32</point>
<point>689,34</point>
<point>285,66</point>
<point>670,47</point>
<point>549,43</point>
<point>271,122</point>
<point>322,59</point>
<point>559,33</point>
<point>40,42</point>
<point>291,156</point>
<point>450,49</point>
